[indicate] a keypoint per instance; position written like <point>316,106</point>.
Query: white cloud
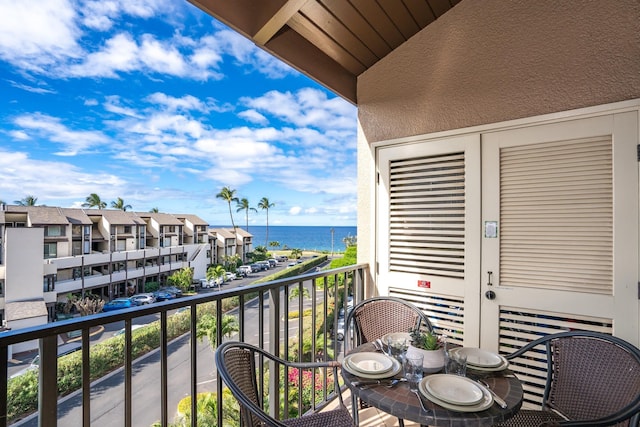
<point>101,14</point>
<point>306,107</point>
<point>20,175</point>
<point>295,210</point>
<point>113,105</point>
<point>253,116</point>
<point>36,36</point>
<point>48,127</point>
<point>185,103</point>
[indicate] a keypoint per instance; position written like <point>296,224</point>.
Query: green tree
<point>274,244</point>
<point>216,272</point>
<point>295,292</point>
<point>243,205</point>
<point>228,195</point>
<point>27,201</point>
<point>181,279</point>
<point>296,253</point>
<point>119,204</point>
<point>207,327</point>
<point>94,201</point>
<point>265,205</point>
<point>350,240</point>
<point>154,210</point>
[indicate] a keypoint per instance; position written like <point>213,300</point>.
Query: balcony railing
<point>265,315</point>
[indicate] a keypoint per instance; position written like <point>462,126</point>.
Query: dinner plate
<point>504,365</point>
<point>454,389</point>
<point>479,357</point>
<point>485,402</point>
<point>395,369</point>
<point>371,363</point>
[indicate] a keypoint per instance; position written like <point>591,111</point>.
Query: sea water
<point>311,238</point>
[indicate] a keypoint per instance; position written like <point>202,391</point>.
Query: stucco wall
<point>488,61</point>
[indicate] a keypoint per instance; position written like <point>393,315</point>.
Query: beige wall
<point>24,264</point>
<point>495,60</point>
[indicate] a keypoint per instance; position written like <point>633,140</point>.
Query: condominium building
<point>47,253</point>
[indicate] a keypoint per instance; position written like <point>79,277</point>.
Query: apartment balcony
<point>147,387</point>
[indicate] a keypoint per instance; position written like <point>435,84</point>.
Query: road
<point>107,394</point>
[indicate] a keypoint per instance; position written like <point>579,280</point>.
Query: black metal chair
<point>372,318</point>
<point>592,379</point>
<point>238,365</point>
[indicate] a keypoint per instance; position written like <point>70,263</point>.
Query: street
<point>107,394</point>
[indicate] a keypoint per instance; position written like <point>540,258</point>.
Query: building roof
<point>243,233</point>
<point>193,219</point>
<point>41,215</point>
<point>161,218</point>
<point>225,233</point>
<point>333,42</point>
<point>76,216</point>
<point>116,216</point>
<point>18,310</point>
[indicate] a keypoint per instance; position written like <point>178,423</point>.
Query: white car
<point>229,276</point>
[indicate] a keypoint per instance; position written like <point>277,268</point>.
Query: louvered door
<point>429,218</point>
<point>563,201</point>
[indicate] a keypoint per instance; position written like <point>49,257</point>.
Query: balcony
<point>266,315</point>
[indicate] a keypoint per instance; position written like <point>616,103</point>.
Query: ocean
<point>318,238</point>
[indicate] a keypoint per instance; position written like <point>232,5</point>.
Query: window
<point>87,230</point>
<point>53,231</point>
<point>49,283</point>
<point>50,250</point>
<point>76,248</point>
<point>87,247</point>
<point>127,229</point>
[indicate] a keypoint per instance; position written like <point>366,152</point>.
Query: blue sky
<point>156,102</point>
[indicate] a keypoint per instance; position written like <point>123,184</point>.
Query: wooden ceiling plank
<point>306,29</point>
<point>278,20</point>
<point>400,16</point>
<point>420,11</point>
<point>328,23</point>
<point>440,7</point>
<point>379,20</point>
<point>359,26</point>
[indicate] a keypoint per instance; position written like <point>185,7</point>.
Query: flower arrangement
<point>425,340</point>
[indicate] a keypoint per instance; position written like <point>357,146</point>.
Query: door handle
<point>490,295</point>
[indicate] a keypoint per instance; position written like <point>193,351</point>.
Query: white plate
<point>397,367</point>
<point>454,389</point>
<point>479,357</point>
<point>485,403</point>
<point>371,363</point>
<point>504,365</point>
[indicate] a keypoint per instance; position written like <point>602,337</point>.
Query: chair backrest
<point>374,317</point>
<point>237,368</point>
<point>591,376</point>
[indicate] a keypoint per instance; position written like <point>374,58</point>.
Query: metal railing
<point>272,304</point>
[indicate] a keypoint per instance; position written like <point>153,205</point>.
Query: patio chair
<point>372,318</point>
<point>593,379</point>
<point>237,363</point>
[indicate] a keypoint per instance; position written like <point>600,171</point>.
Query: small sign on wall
<point>491,229</point>
<point>424,284</point>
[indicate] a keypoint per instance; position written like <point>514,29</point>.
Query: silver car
<point>143,299</point>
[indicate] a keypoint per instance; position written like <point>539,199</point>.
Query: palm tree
<point>265,205</point>
<point>119,204</point>
<point>154,210</point>
<point>94,201</point>
<point>243,205</point>
<point>27,201</point>
<point>229,196</point>
<point>207,327</point>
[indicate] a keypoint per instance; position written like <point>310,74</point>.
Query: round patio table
<point>400,402</point>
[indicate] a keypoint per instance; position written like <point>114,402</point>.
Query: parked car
<point>340,329</point>
<point>282,258</point>
<point>272,262</point>
<point>143,299</point>
<point>264,264</point>
<point>162,295</point>
<point>245,270</point>
<point>176,291</point>
<point>291,264</point>
<point>255,267</point>
<point>229,276</point>
<point>63,350</point>
<point>118,304</point>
